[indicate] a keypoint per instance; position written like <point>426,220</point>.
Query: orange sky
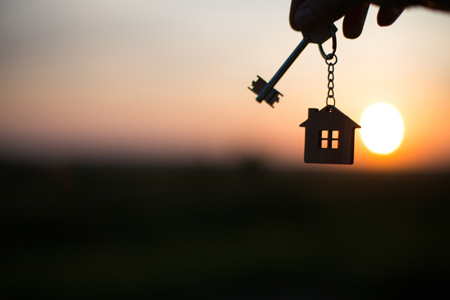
<point>168,81</point>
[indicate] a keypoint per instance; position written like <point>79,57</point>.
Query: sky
<point>166,81</point>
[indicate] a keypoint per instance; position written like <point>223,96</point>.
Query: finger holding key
<point>311,14</point>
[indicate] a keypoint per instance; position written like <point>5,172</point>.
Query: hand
<point>308,15</point>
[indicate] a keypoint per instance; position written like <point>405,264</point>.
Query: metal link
<point>331,60</point>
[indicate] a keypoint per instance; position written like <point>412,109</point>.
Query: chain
<point>331,60</point>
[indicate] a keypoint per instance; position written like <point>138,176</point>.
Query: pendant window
<point>329,139</point>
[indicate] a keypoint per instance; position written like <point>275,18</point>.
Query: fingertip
<point>387,16</point>
<point>350,30</point>
<point>352,35</point>
<point>354,21</point>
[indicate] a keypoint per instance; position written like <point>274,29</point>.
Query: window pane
<point>324,134</point>
<point>324,144</point>
<point>335,134</point>
<point>334,144</point>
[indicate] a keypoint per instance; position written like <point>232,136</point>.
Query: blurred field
<point>116,232</point>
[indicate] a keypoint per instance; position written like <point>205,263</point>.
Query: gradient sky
<point>167,81</point>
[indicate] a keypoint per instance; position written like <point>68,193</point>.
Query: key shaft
<point>262,95</point>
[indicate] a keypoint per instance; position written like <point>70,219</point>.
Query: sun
<point>382,128</point>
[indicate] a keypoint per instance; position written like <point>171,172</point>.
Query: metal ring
<point>328,61</point>
<point>333,36</point>
<point>334,101</point>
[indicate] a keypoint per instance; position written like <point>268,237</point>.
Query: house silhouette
<point>329,136</point>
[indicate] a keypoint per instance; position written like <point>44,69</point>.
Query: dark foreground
<point>199,233</point>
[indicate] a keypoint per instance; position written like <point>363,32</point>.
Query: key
<point>266,91</point>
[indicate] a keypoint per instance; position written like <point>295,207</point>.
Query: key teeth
<point>273,97</point>
<point>258,86</point>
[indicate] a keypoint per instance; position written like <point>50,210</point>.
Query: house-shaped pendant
<point>329,136</point>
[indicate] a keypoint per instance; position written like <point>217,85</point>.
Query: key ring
<point>334,46</point>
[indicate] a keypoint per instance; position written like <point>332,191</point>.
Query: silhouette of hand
<point>307,15</point>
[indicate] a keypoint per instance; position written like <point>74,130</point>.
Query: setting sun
<point>382,128</point>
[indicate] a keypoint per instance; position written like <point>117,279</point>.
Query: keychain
<point>329,133</point>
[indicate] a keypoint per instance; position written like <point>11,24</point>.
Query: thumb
<point>313,14</point>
